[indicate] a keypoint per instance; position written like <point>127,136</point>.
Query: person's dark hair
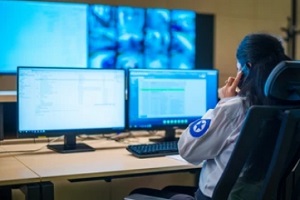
<point>261,52</point>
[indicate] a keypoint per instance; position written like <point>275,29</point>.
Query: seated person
<point>212,138</point>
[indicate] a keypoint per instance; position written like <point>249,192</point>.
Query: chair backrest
<point>282,177</point>
<point>267,148</point>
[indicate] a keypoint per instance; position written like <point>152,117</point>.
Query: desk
<point>14,174</point>
<point>105,164</point>
<point>8,96</point>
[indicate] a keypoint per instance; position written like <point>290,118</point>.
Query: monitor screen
<point>183,32</point>
<point>169,99</point>
<point>70,101</point>
<point>82,35</point>
<point>130,23</point>
<point>157,38</point>
<point>42,34</point>
<point>102,36</point>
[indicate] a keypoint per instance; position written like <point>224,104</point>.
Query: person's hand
<point>230,87</point>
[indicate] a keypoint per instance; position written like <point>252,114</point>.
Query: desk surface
<point>8,96</point>
<point>13,172</point>
<point>101,163</point>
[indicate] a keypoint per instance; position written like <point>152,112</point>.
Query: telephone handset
<point>245,70</point>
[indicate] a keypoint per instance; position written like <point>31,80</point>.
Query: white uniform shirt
<point>212,138</point>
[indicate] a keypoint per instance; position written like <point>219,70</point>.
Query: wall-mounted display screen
<point>157,39</point>
<point>102,36</point>
<point>183,32</point>
<point>64,34</point>
<point>42,34</point>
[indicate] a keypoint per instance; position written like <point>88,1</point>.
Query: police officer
<point>211,139</point>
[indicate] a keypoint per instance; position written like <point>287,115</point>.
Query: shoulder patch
<point>199,127</point>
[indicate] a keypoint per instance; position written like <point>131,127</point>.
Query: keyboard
<point>154,150</point>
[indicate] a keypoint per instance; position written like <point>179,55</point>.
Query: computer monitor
<point>169,99</point>
<point>70,101</point>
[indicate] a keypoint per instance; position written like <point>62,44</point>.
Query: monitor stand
<point>170,135</point>
<point>70,145</point>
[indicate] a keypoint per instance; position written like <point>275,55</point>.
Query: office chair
<point>264,163</point>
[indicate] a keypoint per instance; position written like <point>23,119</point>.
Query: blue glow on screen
<point>183,39</point>
<point>157,38</point>
<point>102,38</point>
<point>131,36</point>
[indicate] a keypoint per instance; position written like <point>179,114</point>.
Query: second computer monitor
<point>70,102</point>
<point>169,99</point>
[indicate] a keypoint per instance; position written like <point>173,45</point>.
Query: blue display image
<point>157,38</point>
<point>102,38</point>
<point>82,35</point>
<point>130,24</point>
<point>183,39</point>
<point>130,59</point>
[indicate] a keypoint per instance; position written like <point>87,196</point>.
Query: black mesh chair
<point>264,163</point>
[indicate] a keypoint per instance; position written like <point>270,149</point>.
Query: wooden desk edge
<point>8,96</point>
<point>121,174</point>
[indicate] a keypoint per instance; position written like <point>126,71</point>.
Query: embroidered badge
<point>199,127</point>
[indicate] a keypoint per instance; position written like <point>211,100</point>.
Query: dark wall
<point>10,120</point>
<point>205,41</point>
